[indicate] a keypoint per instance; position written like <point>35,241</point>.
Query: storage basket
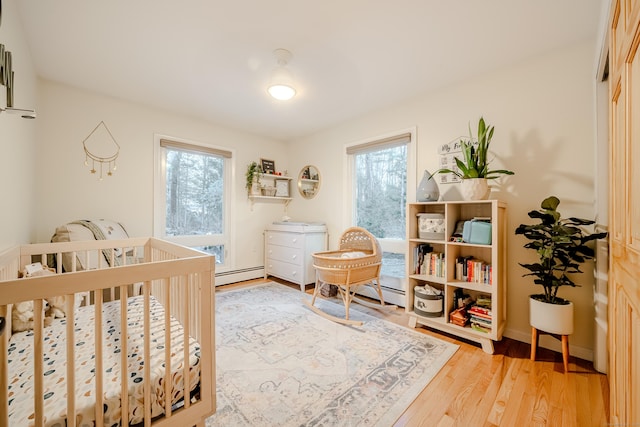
<point>268,191</point>
<point>426,304</point>
<point>431,226</point>
<point>336,265</point>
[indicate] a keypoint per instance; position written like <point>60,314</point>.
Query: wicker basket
<point>333,268</point>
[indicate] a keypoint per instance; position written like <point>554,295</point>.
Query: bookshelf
<point>465,274</point>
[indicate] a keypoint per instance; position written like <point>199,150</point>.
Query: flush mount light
<point>281,86</point>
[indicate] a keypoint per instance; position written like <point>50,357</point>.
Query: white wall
<point>67,191</point>
<point>17,139</point>
<point>543,112</point>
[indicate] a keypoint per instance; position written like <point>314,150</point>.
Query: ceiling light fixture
<point>281,85</point>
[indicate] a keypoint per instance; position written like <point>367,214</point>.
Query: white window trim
<point>159,200</point>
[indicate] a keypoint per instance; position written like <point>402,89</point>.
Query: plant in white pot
<point>562,245</point>
<point>254,170</point>
<point>473,168</point>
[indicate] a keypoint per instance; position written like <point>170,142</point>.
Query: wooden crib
<point>123,354</point>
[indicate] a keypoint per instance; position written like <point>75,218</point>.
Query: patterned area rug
<point>280,364</point>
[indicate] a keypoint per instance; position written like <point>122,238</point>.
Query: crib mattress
<point>20,356</point>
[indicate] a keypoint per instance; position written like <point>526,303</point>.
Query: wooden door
<point>624,213</point>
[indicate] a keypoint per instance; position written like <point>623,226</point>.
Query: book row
<point>470,269</point>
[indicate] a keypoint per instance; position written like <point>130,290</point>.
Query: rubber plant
<point>561,244</point>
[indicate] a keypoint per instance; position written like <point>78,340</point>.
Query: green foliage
<point>254,170</point>
<point>561,245</point>
<point>474,163</point>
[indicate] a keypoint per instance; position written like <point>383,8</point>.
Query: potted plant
<point>254,171</point>
<point>562,245</point>
<point>473,168</point>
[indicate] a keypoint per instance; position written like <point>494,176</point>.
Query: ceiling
<point>212,59</point>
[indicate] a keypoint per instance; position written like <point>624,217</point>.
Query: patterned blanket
<point>20,396</point>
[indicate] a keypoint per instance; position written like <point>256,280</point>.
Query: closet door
<point>624,205</point>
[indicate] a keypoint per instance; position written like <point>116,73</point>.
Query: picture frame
<point>268,166</point>
<point>282,188</point>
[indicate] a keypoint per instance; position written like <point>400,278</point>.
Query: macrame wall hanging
<point>101,147</point>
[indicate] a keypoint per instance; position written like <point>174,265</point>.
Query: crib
<point>140,350</point>
<point>356,263</point>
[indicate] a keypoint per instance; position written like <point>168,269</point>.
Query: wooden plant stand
<point>565,346</point>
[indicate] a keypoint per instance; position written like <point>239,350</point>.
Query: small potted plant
<point>561,245</point>
<point>474,167</point>
<point>254,171</point>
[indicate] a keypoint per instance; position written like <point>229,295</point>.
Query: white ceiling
<point>212,59</point>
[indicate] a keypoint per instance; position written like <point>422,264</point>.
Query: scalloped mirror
<point>309,182</point>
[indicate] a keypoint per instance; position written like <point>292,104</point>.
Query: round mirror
<point>309,182</point>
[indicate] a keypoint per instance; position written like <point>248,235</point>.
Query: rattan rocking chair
<point>357,263</point>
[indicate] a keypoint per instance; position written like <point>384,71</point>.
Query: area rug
<point>280,364</point>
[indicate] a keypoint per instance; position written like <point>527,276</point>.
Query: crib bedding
<point>20,356</point>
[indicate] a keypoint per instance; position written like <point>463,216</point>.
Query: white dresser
<point>287,250</point>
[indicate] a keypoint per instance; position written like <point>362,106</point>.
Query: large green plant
<point>474,163</point>
<point>562,246</point>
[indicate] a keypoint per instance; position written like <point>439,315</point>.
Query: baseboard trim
<point>550,343</point>
<point>227,277</point>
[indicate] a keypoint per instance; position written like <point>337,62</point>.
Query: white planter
<point>475,189</point>
<point>551,318</point>
<point>255,188</point>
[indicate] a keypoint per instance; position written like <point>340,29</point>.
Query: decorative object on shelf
<point>473,169</point>
<point>100,146</point>
<point>428,301</point>
<point>309,181</point>
<point>268,166</point>
<point>282,188</point>
<point>431,226</point>
<point>477,231</point>
<point>7,80</point>
<point>268,191</point>
<point>252,175</point>
<point>281,86</point>
<point>427,189</point>
<point>562,246</point>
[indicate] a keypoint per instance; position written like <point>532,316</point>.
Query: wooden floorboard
<point>504,389</point>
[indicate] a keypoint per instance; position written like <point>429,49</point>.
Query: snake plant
<point>474,163</point>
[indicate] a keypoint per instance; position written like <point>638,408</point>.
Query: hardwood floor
<point>503,389</point>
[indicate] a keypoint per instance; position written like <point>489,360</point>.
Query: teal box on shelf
<point>477,232</point>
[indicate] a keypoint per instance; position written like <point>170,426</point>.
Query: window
<point>192,205</point>
<point>379,188</point>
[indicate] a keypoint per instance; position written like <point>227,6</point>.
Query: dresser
<point>287,250</point>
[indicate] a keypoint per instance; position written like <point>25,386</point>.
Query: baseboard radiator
<point>233,276</point>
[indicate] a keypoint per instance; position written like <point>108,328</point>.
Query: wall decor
<point>282,188</point>
<point>6,79</point>
<point>100,146</point>
<point>268,166</point>
<point>309,181</point>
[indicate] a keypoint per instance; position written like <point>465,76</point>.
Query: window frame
<point>159,204</point>
<point>379,142</point>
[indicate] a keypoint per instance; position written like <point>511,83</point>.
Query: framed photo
<point>282,188</point>
<point>268,166</point>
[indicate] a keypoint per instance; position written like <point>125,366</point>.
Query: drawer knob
<point>294,240</point>
<point>294,256</point>
<point>293,273</point>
